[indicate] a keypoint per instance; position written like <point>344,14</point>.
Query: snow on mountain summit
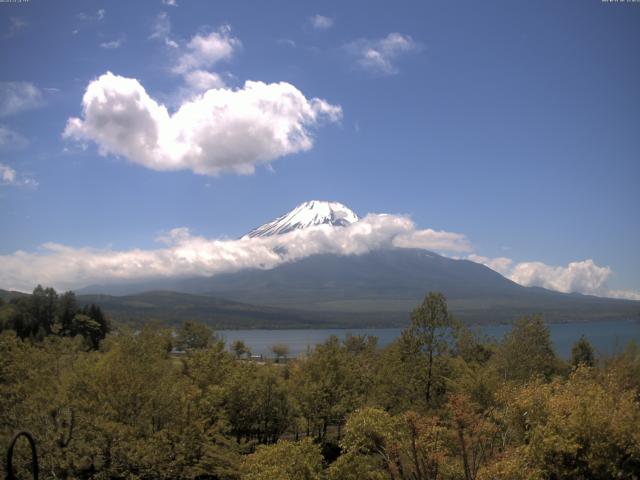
<point>307,214</point>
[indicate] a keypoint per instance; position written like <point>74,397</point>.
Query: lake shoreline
<point>469,325</point>
<point>606,336</point>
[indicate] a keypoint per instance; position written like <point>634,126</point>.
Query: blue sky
<point>515,124</point>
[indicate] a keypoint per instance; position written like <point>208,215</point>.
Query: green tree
<point>44,313</point>
<point>208,367</point>
<point>477,437</point>
<point>14,316</point>
<point>66,310</point>
<point>88,328</point>
<point>240,349</point>
<point>43,305</point>
<point>95,312</point>
<point>584,427</point>
<point>526,351</point>
<point>285,460</point>
<point>138,415</point>
<point>327,386</point>
<point>423,344</point>
<point>473,347</point>
<point>377,445</point>
<point>194,335</point>
<point>582,353</point>
<point>34,394</point>
<point>256,402</point>
<point>625,368</point>
<point>280,350</point>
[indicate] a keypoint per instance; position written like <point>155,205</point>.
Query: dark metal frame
<point>34,456</point>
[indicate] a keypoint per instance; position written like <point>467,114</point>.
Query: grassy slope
<point>173,307</point>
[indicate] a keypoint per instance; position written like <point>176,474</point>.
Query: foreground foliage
<point>440,403</point>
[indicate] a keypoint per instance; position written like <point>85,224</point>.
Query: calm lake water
<point>606,336</point>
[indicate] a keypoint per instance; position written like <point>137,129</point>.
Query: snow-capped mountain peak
<point>307,214</point>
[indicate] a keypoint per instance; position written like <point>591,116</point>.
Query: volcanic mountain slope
<point>382,285</point>
<point>392,282</point>
<point>171,308</point>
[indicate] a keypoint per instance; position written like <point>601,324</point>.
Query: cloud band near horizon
<point>576,277</point>
<point>185,254</point>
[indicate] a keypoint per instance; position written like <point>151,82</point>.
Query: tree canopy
<point>134,407</point>
<point>44,313</point>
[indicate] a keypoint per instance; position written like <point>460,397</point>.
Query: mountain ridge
<point>385,285</point>
<point>380,286</point>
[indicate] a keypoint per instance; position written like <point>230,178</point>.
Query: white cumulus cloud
<point>584,276</point>
<point>380,55</point>
<point>433,240</point>
<point>8,176</point>
<point>203,51</point>
<point>195,57</point>
<point>16,97</point>
<point>199,55</point>
<point>320,22</point>
<point>502,265</point>
<point>626,294</point>
<point>222,130</point>
<point>161,30</point>
<point>184,254</point>
<point>201,80</point>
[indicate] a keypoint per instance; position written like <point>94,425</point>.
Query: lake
<point>606,336</point>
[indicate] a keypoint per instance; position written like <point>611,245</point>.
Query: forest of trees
<point>439,403</point>
<point>45,313</point>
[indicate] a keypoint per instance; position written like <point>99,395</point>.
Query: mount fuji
<point>377,288</point>
<point>305,215</point>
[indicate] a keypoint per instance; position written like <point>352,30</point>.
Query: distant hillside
<point>172,308</point>
<point>379,287</point>
<point>7,295</point>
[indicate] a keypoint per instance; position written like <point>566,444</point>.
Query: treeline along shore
<point>103,401</point>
